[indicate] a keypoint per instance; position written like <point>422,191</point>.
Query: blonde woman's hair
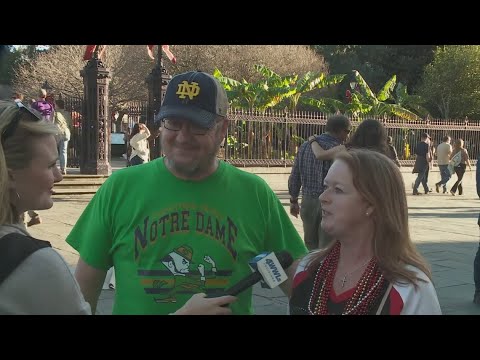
<point>16,151</point>
<point>458,143</point>
<point>380,183</point>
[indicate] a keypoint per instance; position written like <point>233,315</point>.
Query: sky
<point>39,47</point>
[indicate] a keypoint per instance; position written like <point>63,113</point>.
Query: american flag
<point>90,49</point>
<point>166,50</point>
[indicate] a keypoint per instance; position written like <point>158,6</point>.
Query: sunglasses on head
<point>9,130</point>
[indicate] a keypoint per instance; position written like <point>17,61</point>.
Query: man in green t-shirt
<point>195,234</point>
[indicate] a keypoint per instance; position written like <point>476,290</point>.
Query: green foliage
<point>378,62</point>
<point>289,156</point>
<point>298,140</point>
<point>12,58</point>
<point>411,102</point>
<point>386,92</point>
<point>235,147</point>
<point>275,91</point>
<point>365,102</point>
<point>326,105</point>
<point>452,82</point>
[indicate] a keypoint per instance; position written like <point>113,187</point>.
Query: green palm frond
<point>325,104</point>
<point>403,113</point>
<point>266,72</point>
<point>386,91</point>
<point>364,86</point>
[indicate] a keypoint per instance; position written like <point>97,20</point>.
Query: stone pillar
<point>95,137</point>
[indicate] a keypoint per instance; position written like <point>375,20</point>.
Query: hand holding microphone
<point>199,304</point>
<point>267,267</point>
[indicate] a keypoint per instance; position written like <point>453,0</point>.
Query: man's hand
<point>200,305</point>
<point>294,209</point>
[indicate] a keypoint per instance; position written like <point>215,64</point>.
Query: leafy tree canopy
<point>451,82</point>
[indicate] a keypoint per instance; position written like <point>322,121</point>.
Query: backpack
<point>14,249</point>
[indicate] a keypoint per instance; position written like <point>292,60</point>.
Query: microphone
<point>266,267</point>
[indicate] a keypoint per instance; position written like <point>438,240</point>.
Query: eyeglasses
<point>9,130</point>
<point>176,125</point>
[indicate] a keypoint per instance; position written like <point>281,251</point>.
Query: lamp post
<point>157,82</point>
<point>47,87</point>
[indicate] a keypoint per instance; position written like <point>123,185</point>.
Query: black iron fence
<point>272,138</point>
<point>74,106</point>
<point>136,112</point>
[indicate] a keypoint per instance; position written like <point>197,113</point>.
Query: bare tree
<point>61,67</point>
<point>130,65</point>
<point>236,61</point>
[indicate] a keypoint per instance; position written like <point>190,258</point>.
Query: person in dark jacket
<point>422,161</point>
<point>392,151</point>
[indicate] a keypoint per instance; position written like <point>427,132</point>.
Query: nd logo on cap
<point>195,96</point>
<point>188,89</point>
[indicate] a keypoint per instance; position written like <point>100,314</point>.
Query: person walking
<point>444,150</point>
<point>307,175</point>
<point>422,164</point>
<point>459,162</point>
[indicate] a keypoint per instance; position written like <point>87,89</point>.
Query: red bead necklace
<point>366,294</point>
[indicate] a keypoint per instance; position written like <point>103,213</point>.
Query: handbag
<point>456,159</point>
<point>454,162</point>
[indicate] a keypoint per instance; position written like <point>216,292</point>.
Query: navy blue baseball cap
<point>195,96</point>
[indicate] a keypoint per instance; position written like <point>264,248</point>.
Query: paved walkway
<point>444,227</point>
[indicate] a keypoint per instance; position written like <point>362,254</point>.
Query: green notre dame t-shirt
<point>169,238</point>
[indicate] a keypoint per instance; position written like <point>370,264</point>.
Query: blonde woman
<point>34,278</point>
<point>459,162</point>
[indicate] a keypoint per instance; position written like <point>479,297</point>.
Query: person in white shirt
<point>140,154</point>
<point>444,150</point>
<point>138,141</point>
